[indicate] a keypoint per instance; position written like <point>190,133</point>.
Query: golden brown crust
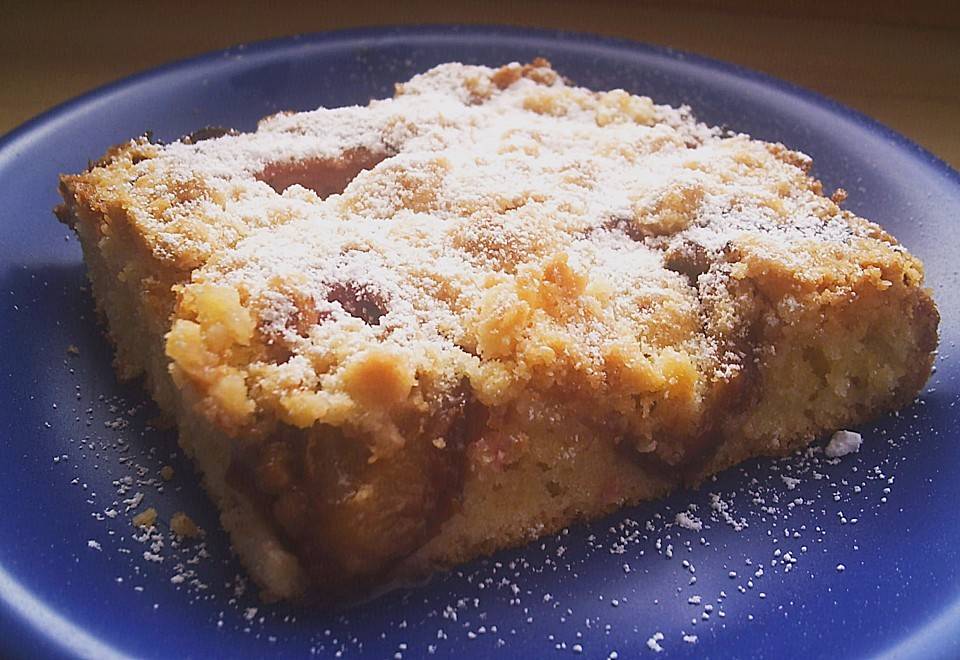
<point>479,297</point>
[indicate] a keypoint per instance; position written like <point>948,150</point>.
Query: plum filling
<point>324,176</point>
<point>358,301</point>
<point>350,520</point>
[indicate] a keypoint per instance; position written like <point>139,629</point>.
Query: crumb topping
<point>500,227</point>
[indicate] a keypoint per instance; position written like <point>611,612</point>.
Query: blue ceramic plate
<point>796,558</point>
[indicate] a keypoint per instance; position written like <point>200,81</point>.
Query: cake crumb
<point>145,518</point>
<point>73,350</point>
<point>843,443</point>
<point>166,472</point>
<point>183,525</point>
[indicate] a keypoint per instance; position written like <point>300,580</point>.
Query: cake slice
<point>400,336</point>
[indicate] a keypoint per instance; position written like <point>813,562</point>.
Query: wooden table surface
<point>898,64</point>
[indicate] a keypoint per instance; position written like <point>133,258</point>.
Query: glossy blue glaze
<point>899,593</point>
